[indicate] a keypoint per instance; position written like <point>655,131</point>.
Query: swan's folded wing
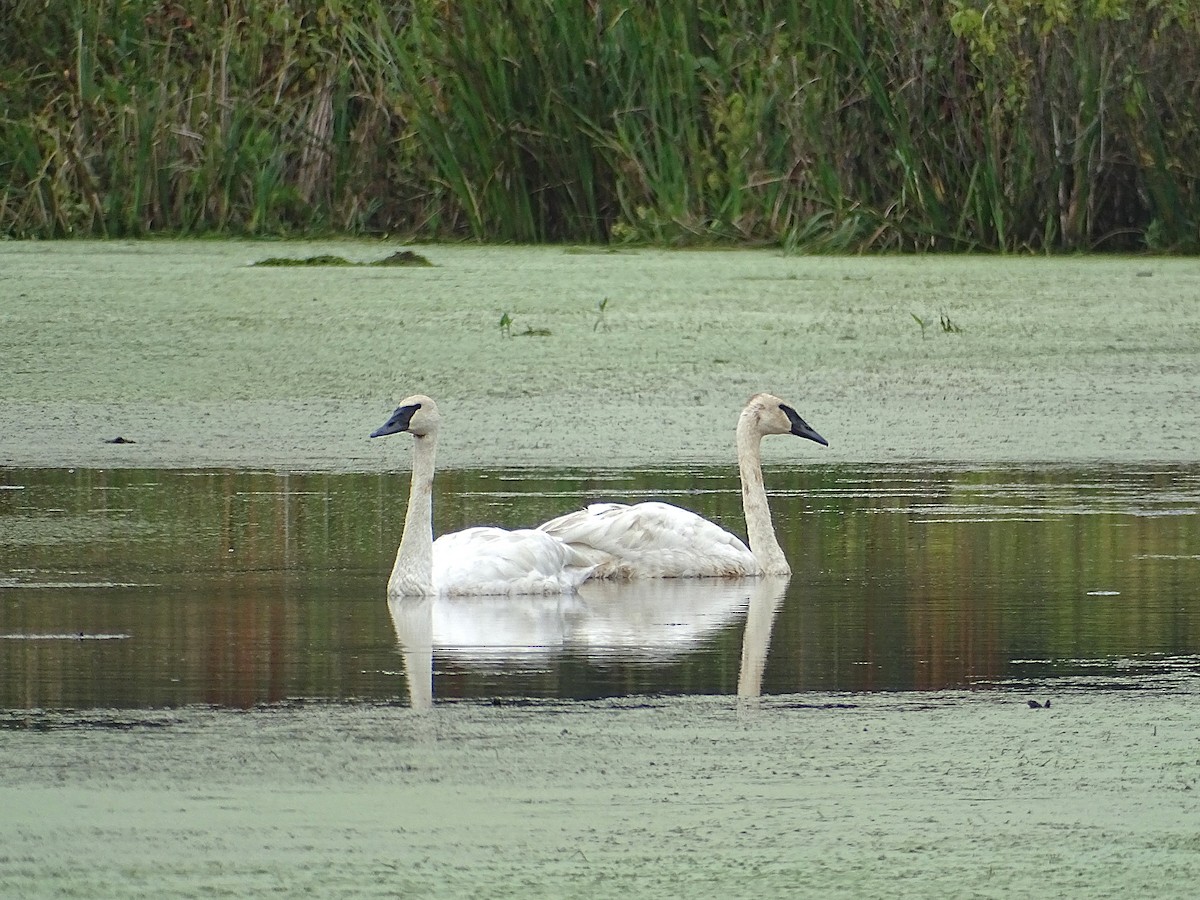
<point>651,540</point>
<point>495,561</point>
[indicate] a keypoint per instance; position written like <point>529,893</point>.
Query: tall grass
<point>811,124</point>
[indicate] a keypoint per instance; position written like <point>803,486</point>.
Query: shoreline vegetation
<point>813,125</point>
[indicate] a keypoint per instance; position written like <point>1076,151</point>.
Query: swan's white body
<point>485,560</point>
<point>658,540</point>
<point>652,540</point>
<point>475,561</point>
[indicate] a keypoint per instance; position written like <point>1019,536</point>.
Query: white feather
<point>652,540</point>
<point>493,561</point>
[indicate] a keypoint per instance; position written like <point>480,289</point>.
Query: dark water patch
<point>235,589</point>
<point>82,720</point>
<point>1150,672</point>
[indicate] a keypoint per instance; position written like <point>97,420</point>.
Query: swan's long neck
<point>759,529</point>
<point>413,572</point>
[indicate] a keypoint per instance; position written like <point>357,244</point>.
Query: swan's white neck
<point>412,574</point>
<point>759,529</point>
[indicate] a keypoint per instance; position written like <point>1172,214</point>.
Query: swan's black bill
<point>800,428</point>
<point>399,421</point>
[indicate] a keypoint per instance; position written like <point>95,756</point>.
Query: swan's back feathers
<point>651,540</point>
<point>493,561</point>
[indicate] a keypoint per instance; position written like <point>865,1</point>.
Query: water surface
<point>143,588</point>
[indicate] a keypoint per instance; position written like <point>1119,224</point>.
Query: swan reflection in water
<point>651,619</point>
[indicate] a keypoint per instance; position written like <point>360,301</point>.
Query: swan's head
<point>767,414</point>
<point>418,415</point>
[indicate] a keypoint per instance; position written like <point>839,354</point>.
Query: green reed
<point>817,125</point>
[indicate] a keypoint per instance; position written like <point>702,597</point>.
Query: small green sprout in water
<point>948,326</point>
<point>506,326</point>
<point>600,308</point>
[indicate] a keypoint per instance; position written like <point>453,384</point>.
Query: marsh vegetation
<point>810,124</point>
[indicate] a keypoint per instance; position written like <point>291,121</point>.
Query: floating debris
<point>322,260</point>
<point>403,258</point>
<point>399,258</point>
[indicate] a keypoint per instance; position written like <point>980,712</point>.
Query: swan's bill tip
<point>400,420</point>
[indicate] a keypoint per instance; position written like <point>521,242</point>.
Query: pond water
<point>143,589</point>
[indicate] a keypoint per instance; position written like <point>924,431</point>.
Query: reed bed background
<point>824,125</point>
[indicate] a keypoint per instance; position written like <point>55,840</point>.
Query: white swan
<point>658,540</point>
<point>476,560</point>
